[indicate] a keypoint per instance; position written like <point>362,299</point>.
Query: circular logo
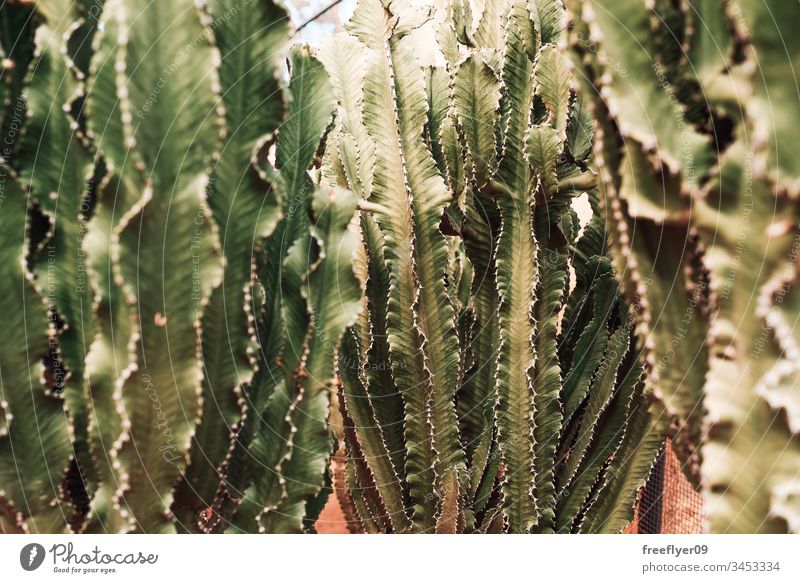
<point>31,556</point>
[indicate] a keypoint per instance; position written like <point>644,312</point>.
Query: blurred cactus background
<point>443,266</point>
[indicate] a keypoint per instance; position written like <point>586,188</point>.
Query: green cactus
<point>35,444</point>
<point>221,272</point>
<point>482,156</point>
<point>701,182</point>
<point>245,210</point>
<point>149,130</point>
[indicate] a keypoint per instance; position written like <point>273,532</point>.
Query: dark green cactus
<point>149,131</point>
<point>220,272</point>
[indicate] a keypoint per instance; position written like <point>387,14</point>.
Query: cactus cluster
<point>694,103</point>
<point>228,261</point>
<point>179,277</point>
<point>481,390</point>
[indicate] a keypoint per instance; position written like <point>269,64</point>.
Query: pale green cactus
<point>513,410</point>
<point>701,181</point>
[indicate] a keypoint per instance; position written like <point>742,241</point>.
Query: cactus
<point>226,273</point>
<point>512,408</point>
<point>245,210</point>
<point>35,434</point>
<point>701,182</point>
<point>655,247</point>
<point>148,129</point>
